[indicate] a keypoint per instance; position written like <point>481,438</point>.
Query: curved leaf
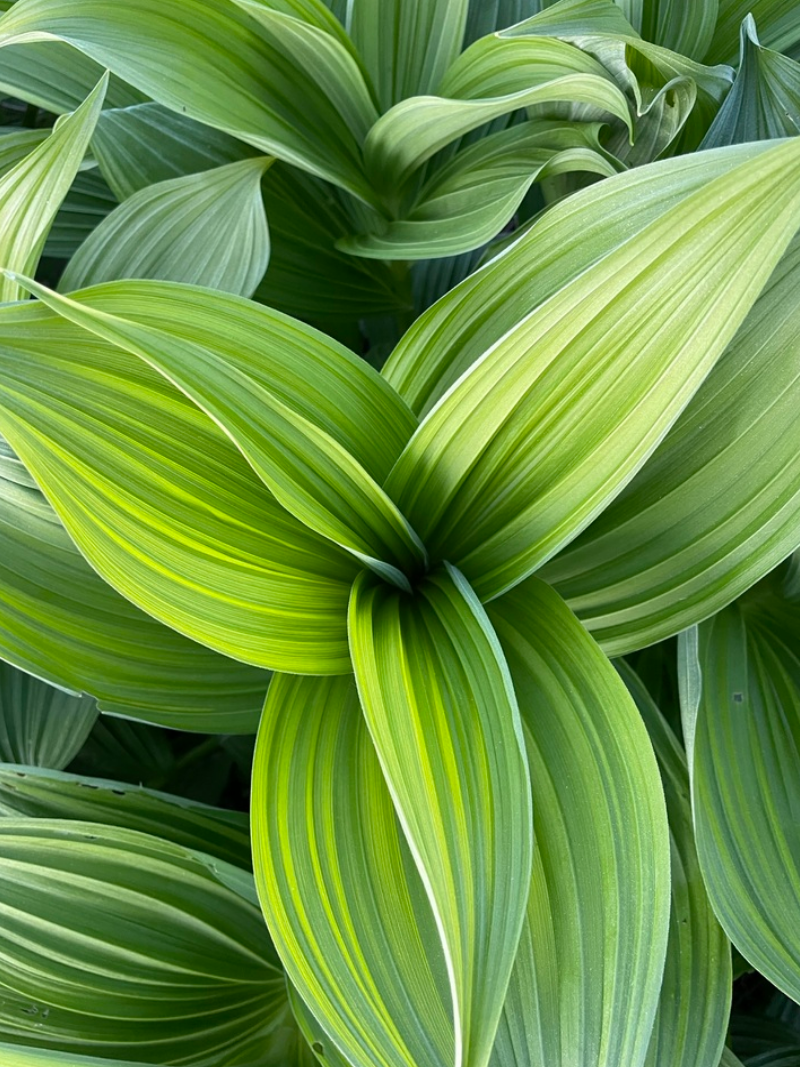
<point>40,725</point>
<point>778,22</point>
<point>582,391</point>
<point>204,229</point>
<point>442,714</point>
<point>87,203</point>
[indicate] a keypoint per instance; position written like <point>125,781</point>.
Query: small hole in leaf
<point>317,1047</point>
<point>738,698</point>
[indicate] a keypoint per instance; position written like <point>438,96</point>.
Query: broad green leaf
<point>692,1017</point>
<point>87,203</point>
<point>442,713</point>
<point>16,144</point>
<point>585,985</point>
<point>128,946</point>
<point>41,725</point>
<point>147,143</point>
<point>716,507</point>
<point>342,897</point>
<point>63,623</point>
<point>313,1045</point>
<point>161,502</point>
<point>764,101</point>
<point>486,16</point>
<point>494,77</point>
<point>469,200</point>
<point>204,229</point>
<point>745,788</point>
<point>778,24</point>
<point>543,431</point>
<point>681,27</point>
<point>407,48</point>
<point>303,420</point>
<point>35,793</point>
<point>31,192</point>
<point>280,84</point>
<point>570,17</point>
<point>58,78</point>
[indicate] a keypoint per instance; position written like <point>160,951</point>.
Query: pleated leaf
<point>341,894</point>
<point>87,203</point>
<point>63,623</point>
<point>161,502</point>
<point>204,229</point>
<point>41,725</point>
<point>32,191</point>
<point>585,985</point>
<point>284,85</point>
<point>778,24</point>
<point>125,945</point>
<point>692,1018</point>
<point>303,418</point>
<point>582,391</point>
<point>43,794</point>
<point>442,714</point>
<point>717,505</point>
<point>681,27</point>
<point>764,101</point>
<point>744,727</point>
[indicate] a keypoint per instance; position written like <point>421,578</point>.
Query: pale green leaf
<point>58,78</point>
<point>16,144</point>
<point>546,429</point>
<point>778,24</point>
<point>204,229</point>
<point>41,725</point>
<point>125,945</point>
<point>585,985</point>
<point>305,420</point>
<point>570,17</point>
<point>442,713</point>
<point>745,787</point>
<point>36,793</point>
<point>717,506</point>
<point>24,1056</point>
<point>313,1046</point>
<point>159,499</point>
<point>687,28</point>
<point>657,125</point>
<point>764,100</point>
<point>87,203</point>
<point>32,191</point>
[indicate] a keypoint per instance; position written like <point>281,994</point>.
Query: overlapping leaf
<point>41,725</point>
<point>684,28</point>
<point>778,23</point>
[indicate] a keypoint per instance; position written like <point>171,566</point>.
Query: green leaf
<point>570,17</point>
<point>41,725</point>
<point>778,22</point>
<point>694,1006</point>
<point>16,144</point>
<point>684,28</point>
<point>717,505</point>
<point>87,203</point>
<point>160,501</point>
<point>442,714</point>
<point>745,790</point>
<point>486,16</point>
<point>407,48</point>
<point>62,623</point>
<point>204,229</point>
<point>22,1056</point>
<point>306,441</point>
<point>494,77</point>
<point>284,86</point>
<point>127,946</point>
<point>341,894</point>
<point>31,192</point>
<point>764,101</point>
<point>35,793</point>
<point>585,986</point>
<point>583,389</point>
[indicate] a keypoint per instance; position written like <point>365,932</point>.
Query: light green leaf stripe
<point>16,144</point>
<point>615,354</point>
<point>20,1056</point>
<point>692,1018</point>
<point>442,713</point>
<point>745,789</point>
<point>586,981</point>
<point>39,724</point>
<point>340,892</point>
<point>48,794</point>
<point>299,447</point>
<point>120,944</point>
<point>32,191</point>
<point>203,229</point>
<point>162,504</point>
<point>717,505</point>
<point>310,1034</point>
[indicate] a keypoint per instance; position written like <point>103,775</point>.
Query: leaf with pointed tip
<point>40,725</point>
<point>744,755</point>
<point>569,17</point>
<point>203,229</point>
<point>778,24</point>
<point>583,389</point>
<point>36,793</point>
<point>716,507</point>
<point>441,710</point>
<point>160,500</point>
<point>764,100</point>
<point>32,191</point>
<point>585,984</point>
